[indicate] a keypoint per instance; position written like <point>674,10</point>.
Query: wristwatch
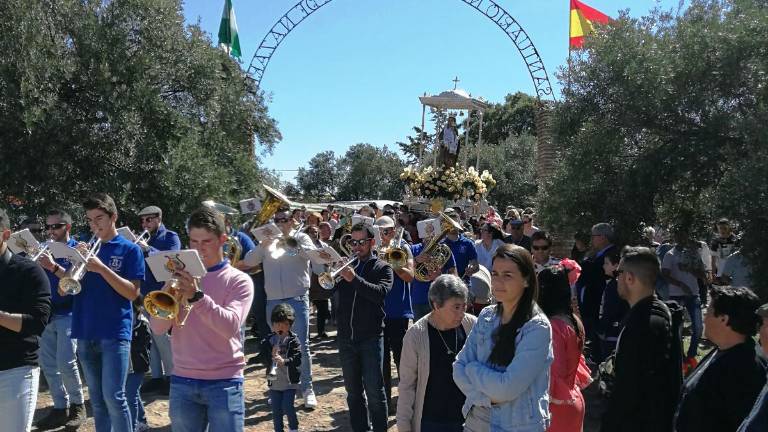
<point>198,295</point>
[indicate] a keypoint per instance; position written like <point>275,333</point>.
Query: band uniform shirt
<point>162,240</point>
<point>246,243</point>
<point>463,250</point>
<point>397,303</point>
<point>99,312</point>
<point>26,291</point>
<point>60,305</point>
<point>208,346</point>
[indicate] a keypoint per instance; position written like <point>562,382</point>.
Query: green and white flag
<point>228,39</point>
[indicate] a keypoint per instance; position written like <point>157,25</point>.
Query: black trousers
<point>323,313</point>
<point>394,332</point>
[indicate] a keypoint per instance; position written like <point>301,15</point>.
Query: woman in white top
<point>490,239</point>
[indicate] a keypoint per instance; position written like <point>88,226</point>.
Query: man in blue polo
<point>57,350</point>
<point>102,314</point>
<point>160,239</point>
<point>463,249</point>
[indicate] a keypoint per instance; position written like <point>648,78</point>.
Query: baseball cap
<point>385,222</point>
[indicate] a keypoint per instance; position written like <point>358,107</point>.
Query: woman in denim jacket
<point>503,368</point>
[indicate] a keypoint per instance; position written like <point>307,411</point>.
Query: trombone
<point>70,283</point>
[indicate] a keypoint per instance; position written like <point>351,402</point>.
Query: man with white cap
<point>160,239</point>
<point>397,303</point>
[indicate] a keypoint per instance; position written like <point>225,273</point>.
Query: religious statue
<point>449,143</point>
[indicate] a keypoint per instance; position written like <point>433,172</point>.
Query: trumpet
<point>328,279</point>
<point>144,236</point>
<point>395,254</point>
<point>290,244</point>
<point>70,283</point>
<point>168,305</point>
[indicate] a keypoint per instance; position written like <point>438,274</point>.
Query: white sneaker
<point>310,401</point>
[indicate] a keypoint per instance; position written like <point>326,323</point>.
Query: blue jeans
<point>218,403</point>
<point>300,306</point>
<point>282,404</point>
<point>105,366</point>
<point>160,356</point>
<point>133,394</point>
<point>361,364</point>
<point>693,305</point>
<point>18,395</point>
<point>59,363</point>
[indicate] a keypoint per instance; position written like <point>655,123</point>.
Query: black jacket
<point>360,313</point>
<point>591,285</point>
<point>725,391</point>
<point>648,371</point>
<point>292,359</point>
<point>141,343</point>
<point>25,290</point>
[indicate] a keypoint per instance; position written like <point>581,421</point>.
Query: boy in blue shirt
<point>102,315</point>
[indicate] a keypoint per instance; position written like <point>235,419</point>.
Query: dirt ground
<point>331,414</point>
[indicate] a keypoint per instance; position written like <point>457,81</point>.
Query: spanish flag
<point>583,18</point>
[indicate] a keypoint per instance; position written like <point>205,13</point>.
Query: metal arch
<point>489,8</point>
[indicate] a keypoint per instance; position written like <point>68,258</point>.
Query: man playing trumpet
<point>287,280</point>
<point>207,381</point>
<point>160,239</point>
<point>102,314</point>
<point>57,349</point>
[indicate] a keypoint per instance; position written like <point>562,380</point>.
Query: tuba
<point>70,283</point>
<point>272,202</point>
<point>438,253</point>
<point>290,245</point>
<point>395,254</point>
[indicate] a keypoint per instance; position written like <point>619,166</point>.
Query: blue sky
<point>353,70</point>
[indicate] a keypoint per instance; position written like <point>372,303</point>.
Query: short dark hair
<point>101,201</point>
<point>5,222</point>
<point>541,235</point>
<point>283,313</point>
<point>64,216</point>
<point>613,255</point>
<point>360,226</point>
<point>739,304</point>
<point>641,262</point>
<point>208,219</point>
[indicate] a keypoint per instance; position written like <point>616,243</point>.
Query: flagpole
<point>570,23</point>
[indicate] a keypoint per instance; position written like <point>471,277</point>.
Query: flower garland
<point>452,183</point>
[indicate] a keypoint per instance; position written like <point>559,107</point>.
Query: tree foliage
<point>664,122</point>
<point>122,97</point>
<point>319,180</point>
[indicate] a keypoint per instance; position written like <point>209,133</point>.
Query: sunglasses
<point>387,231</point>
<point>516,227</point>
<point>147,218</point>
<point>55,226</point>
<point>354,243</point>
<point>541,248</point>
<point>281,220</point>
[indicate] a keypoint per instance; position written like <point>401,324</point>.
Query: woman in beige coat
<point>428,398</point>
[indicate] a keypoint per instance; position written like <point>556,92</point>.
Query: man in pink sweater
<point>207,380</point>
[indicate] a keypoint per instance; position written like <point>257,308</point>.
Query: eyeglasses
<point>541,248</point>
<point>55,226</point>
<point>354,243</point>
<point>281,220</point>
<point>516,227</point>
<point>387,231</point>
<point>147,218</point>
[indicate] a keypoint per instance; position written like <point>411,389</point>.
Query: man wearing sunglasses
<point>397,304</point>
<point>57,350</point>
<point>541,247</point>
<point>25,305</point>
<point>515,229</point>
<point>286,280</point>
<point>160,239</point>
<point>362,290</point>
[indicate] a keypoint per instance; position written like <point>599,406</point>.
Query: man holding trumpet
<point>57,349</point>
<point>160,239</point>
<point>207,381</point>
<point>102,314</point>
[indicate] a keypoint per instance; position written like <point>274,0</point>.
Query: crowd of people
<point>499,334</point>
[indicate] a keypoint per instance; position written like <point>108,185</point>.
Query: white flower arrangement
<point>448,183</point>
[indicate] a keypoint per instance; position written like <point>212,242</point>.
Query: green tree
<point>369,172</point>
<point>664,122</point>
<point>122,97</point>
<point>319,180</point>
